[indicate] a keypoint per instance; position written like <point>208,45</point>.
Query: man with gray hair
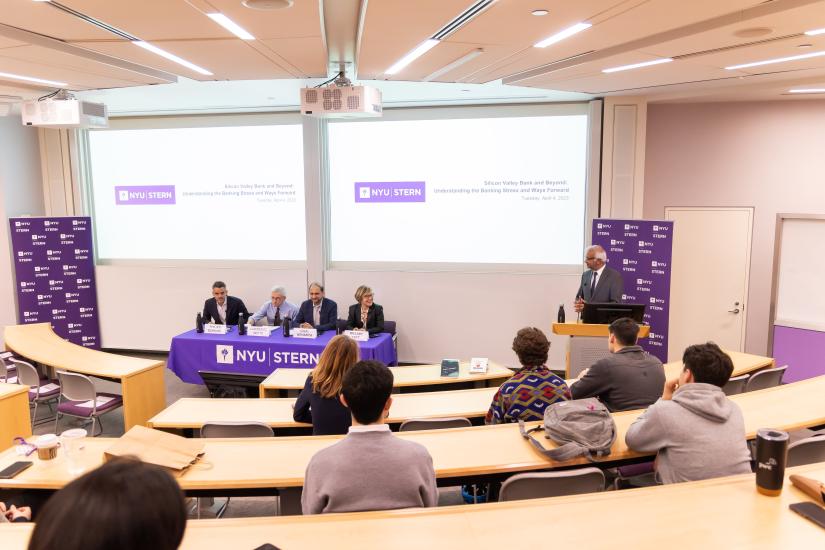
<point>275,310</point>
<point>599,283</point>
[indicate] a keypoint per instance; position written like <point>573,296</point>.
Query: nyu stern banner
<point>641,251</point>
<point>55,272</point>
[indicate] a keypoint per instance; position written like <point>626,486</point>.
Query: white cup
<point>73,442</point>
<point>46,446</point>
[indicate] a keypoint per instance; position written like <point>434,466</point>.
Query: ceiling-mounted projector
<point>64,113</point>
<point>341,102</point>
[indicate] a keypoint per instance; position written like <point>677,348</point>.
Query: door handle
<point>736,309</point>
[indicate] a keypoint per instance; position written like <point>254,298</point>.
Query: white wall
<point>20,194</point>
<point>462,315</point>
<point>143,307</point>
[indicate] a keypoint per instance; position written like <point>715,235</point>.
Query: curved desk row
<point>265,463</point>
<point>717,513</point>
<point>144,393</point>
<point>192,413</point>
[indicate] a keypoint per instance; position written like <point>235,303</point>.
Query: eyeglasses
<point>590,259</point>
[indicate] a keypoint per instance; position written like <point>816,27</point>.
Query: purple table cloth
<point>191,352</point>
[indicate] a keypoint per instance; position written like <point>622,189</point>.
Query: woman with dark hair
<point>527,394</point>
<point>366,314</point>
<point>318,402</point>
<point>123,505</point>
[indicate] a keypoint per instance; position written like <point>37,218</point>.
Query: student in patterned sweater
<point>526,394</point>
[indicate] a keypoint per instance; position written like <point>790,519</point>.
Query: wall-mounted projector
<point>341,102</point>
<point>65,113</point>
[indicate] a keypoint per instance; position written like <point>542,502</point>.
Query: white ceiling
<point>291,49</point>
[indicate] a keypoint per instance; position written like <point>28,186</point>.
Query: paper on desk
<point>101,400</point>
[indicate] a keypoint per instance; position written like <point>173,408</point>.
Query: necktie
<point>593,284</point>
<point>277,316</point>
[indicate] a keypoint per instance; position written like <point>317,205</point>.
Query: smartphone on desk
<point>14,469</point>
<point>811,511</point>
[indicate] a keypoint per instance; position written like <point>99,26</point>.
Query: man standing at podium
<point>599,283</point>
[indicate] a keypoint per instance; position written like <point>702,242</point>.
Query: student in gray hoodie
<point>696,430</point>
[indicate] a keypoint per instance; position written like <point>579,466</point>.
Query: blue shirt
<point>268,310</point>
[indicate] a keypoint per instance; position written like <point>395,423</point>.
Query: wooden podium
<point>588,344</point>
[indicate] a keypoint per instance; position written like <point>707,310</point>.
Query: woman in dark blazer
<point>365,315</point>
<point>319,403</point>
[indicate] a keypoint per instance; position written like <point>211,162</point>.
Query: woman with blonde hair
<point>366,314</point>
<point>318,402</point>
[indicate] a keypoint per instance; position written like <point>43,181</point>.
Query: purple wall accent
<point>55,276</point>
<point>641,251</point>
<point>802,350</point>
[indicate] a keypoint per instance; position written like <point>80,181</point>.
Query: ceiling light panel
<point>32,80</point>
<point>230,25</point>
<point>562,35</point>
<point>171,57</point>
<point>637,65</point>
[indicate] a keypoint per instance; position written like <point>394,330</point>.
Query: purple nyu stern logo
<point>390,191</point>
<point>144,194</point>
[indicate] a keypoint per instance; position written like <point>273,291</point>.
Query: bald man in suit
<point>599,283</point>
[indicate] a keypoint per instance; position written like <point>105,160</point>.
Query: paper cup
<point>47,446</point>
<point>73,442</point>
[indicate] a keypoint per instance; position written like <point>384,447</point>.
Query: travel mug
<point>771,454</point>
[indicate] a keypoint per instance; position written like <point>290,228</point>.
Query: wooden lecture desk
<point>743,363</point>
<point>725,512</point>
<point>192,413</point>
<point>142,386</point>
<point>284,380</point>
<point>259,465</point>
<point>15,418</point>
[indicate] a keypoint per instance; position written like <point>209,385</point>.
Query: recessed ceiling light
<point>33,79</point>
<point>638,65</point>
<point>171,57</point>
<point>815,32</point>
<point>776,60</point>
<point>230,25</point>
<point>561,35</point>
<point>267,4</point>
<point>807,91</point>
<point>539,13</point>
<point>420,50</point>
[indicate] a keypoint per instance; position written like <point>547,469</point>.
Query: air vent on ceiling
<point>462,19</point>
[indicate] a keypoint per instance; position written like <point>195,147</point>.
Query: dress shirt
<point>316,314</point>
<point>268,310</point>
<point>370,428</point>
<point>221,310</point>
<point>598,278</point>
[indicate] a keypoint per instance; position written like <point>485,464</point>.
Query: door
<point>709,277</point>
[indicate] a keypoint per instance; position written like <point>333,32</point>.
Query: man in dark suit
<point>318,312</point>
<point>222,309</point>
<point>599,283</point>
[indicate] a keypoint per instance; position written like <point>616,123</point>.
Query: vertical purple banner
<point>55,272</point>
<point>641,251</point>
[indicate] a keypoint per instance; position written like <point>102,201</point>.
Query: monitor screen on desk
<point>605,313</point>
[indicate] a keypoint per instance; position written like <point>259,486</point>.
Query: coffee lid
<point>46,441</point>
<point>772,435</point>
<point>75,432</point>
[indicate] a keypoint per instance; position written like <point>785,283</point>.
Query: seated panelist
<point>366,314</point>
<point>276,309</point>
<point>318,312</point>
<point>222,309</point>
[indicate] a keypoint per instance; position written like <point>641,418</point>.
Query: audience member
<point>319,403</point>
<point>526,394</point>
<point>370,469</point>
<point>122,505</point>
<point>13,514</point>
<point>696,430</point>
<point>366,314</point>
<point>318,312</point>
<point>629,378</point>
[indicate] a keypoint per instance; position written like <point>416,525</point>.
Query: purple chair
<point>78,398</point>
<point>8,373</point>
<point>39,392</point>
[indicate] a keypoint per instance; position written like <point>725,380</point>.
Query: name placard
<point>358,335</point>
<point>478,365</point>
<point>258,331</point>
<point>304,333</point>
<point>212,328</point>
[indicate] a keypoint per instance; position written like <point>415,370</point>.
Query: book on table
<point>449,368</point>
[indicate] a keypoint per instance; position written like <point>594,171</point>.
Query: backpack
<point>582,427</point>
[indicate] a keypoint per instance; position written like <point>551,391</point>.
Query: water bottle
<point>241,325</point>
<point>199,323</point>
<point>561,313</point>
<point>285,326</point>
